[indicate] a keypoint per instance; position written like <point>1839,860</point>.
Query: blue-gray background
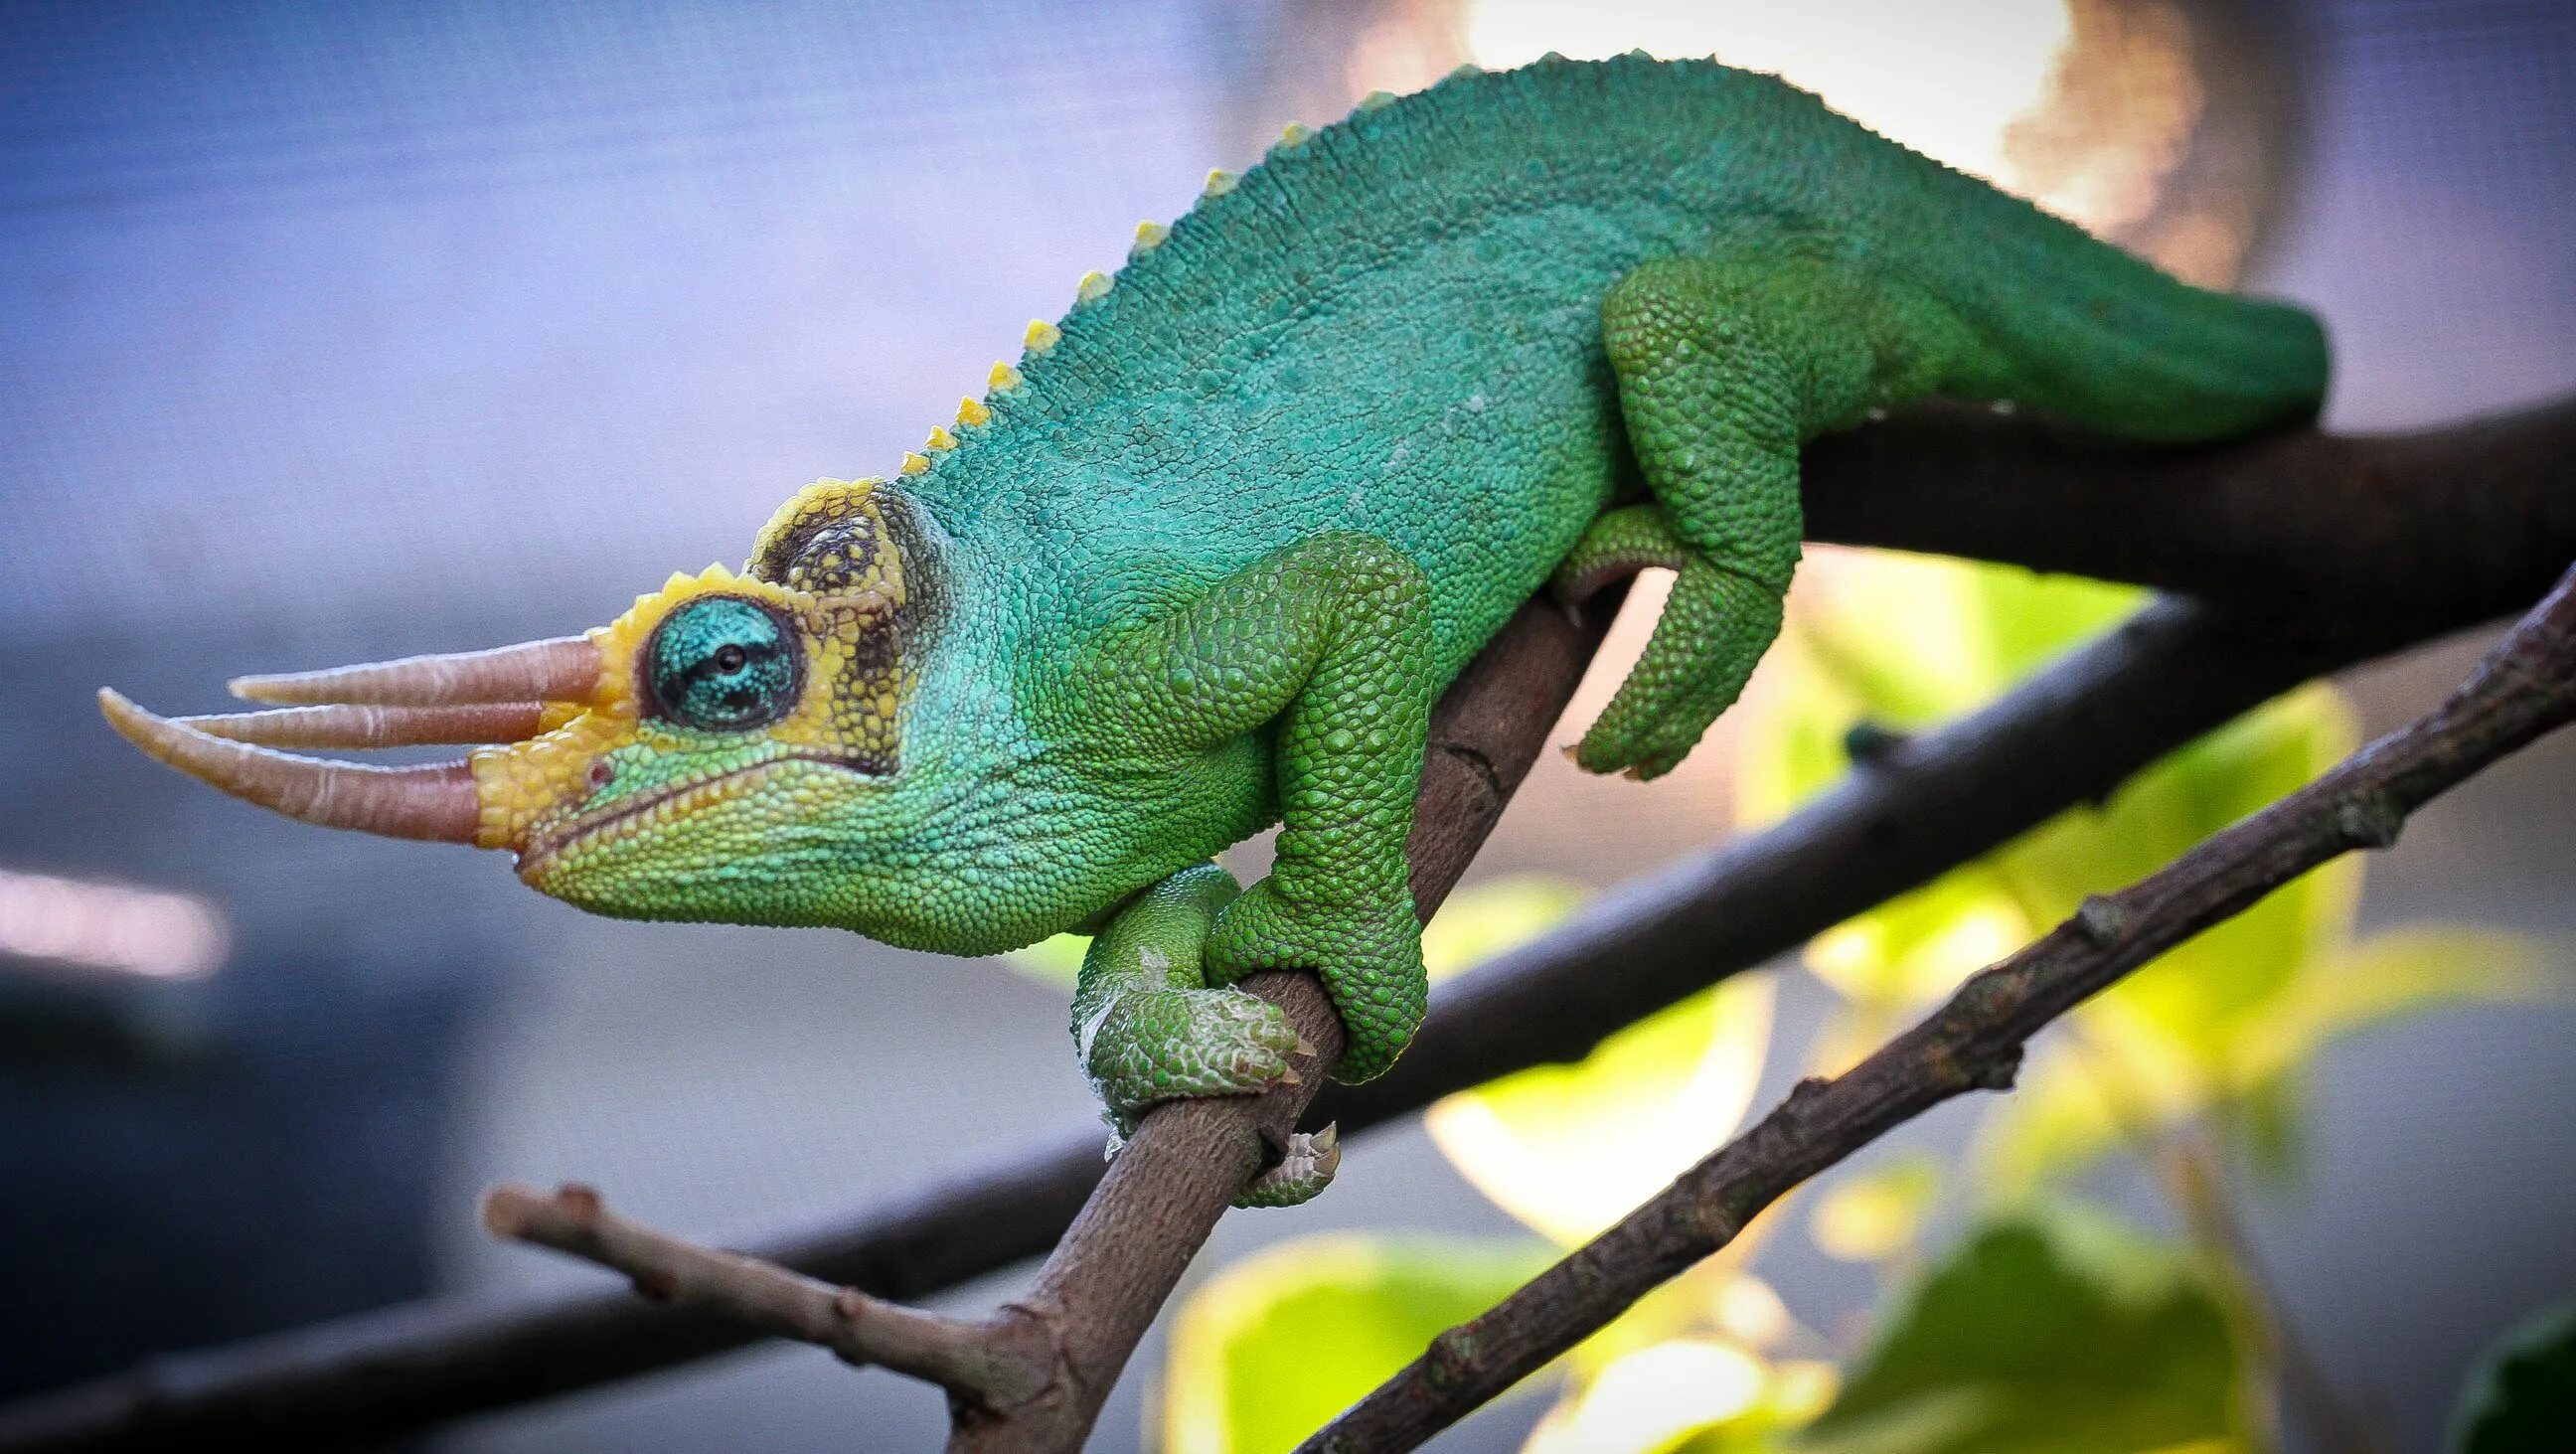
<point>330,332</point>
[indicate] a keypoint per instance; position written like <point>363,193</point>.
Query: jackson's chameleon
<point>1203,559</point>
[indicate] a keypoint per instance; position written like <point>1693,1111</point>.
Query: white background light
<point>111,927</point>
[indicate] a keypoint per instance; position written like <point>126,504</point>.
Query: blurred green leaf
<point>1569,1149</point>
<point>2389,975</point>
<point>1687,1395</point>
<point>2221,1026</point>
<point>2129,1073</point>
<point>1056,960</point>
<point>1482,920</point>
<point>2521,1399</point>
<point>1877,1214</point>
<point>2065,1334</point>
<point>1269,1350</point>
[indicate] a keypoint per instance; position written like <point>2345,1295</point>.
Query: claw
<point>1305,1046</point>
<point>1291,1077</point>
<point>1306,1169</point>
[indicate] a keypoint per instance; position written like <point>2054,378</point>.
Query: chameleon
<point>1203,559</point>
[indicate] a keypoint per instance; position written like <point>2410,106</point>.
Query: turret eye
<point>722,664</point>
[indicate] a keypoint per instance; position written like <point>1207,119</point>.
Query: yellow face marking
<point>842,596</point>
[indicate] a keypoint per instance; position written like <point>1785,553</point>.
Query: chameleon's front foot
<point>1368,952</point>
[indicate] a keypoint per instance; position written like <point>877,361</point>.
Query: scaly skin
<point>1206,558</point>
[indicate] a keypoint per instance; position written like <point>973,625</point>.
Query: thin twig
<point>993,1360</point>
<point>2523,688</point>
<point>2066,737</point>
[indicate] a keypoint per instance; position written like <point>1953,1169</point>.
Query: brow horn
<point>561,669</point>
<point>437,803</point>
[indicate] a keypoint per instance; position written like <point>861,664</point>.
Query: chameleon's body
<point>1207,558</point>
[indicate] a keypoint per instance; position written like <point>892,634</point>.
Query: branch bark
<point>2483,499</point>
<point>2524,688</point>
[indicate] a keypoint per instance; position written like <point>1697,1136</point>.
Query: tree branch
<point>993,1360</point>
<point>2525,687</point>
<point>2065,737</point>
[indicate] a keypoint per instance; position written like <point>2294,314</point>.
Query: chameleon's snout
<point>464,698</point>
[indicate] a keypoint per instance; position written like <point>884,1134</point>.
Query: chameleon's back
<point>1392,326</point>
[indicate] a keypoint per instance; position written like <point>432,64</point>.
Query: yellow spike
<point>1219,182</point>
<point>1002,380</point>
<point>1041,336</point>
<point>1293,134</point>
<point>1091,287</point>
<point>941,441</point>
<point>1377,100</point>
<point>972,411</point>
<point>914,464</point>
<point>1150,235</point>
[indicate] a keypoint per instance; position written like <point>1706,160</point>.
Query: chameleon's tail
<point>2088,331</point>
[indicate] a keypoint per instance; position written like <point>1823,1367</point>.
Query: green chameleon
<point>1205,558</point>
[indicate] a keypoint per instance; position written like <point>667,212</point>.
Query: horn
<point>437,803</point>
<point>343,725</point>
<point>561,669</point>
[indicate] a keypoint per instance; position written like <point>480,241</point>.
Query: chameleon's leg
<point>1149,1029</point>
<point>1331,640</point>
<point>1725,367</point>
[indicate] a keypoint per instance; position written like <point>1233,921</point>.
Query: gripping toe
<point>1305,1170</point>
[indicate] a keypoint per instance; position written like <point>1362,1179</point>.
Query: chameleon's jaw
<point>499,696</point>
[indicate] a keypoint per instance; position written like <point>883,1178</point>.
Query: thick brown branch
<point>2469,520</point>
<point>2065,737</point>
<point>2524,688</point>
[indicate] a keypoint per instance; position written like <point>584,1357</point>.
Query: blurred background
<point>332,333</point>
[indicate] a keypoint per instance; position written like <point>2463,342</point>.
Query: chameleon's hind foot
<point>1305,1170</point>
<point>1714,628</point>
<point>1149,1046</point>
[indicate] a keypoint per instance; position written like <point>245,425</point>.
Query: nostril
<point>601,775</point>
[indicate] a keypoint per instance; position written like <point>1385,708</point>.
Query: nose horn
<point>561,669</point>
<point>436,803</point>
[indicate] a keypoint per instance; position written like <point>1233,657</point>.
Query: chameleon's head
<point>674,764</point>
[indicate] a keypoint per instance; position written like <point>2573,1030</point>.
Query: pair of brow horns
<point>466,697</point>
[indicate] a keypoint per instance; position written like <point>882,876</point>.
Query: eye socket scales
<point>722,664</point>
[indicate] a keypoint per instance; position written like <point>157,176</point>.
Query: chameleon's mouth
<point>476,697</point>
<point>547,847</point>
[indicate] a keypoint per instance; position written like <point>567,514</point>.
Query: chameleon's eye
<point>723,664</point>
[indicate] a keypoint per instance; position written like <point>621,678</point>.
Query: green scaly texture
<point>1210,562</point>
